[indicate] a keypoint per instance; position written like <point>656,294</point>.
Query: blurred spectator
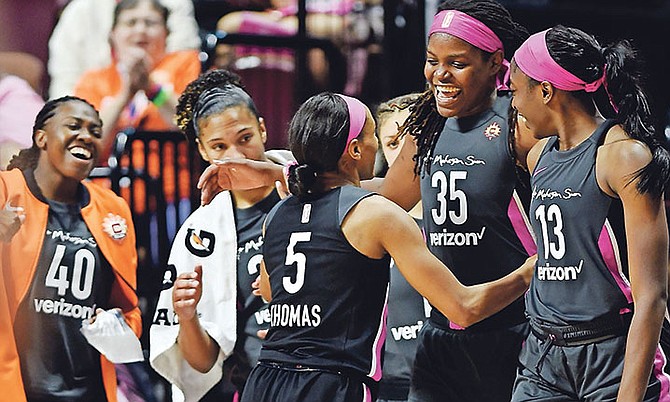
<point>80,40</point>
<point>141,87</point>
<point>340,21</point>
<point>19,104</point>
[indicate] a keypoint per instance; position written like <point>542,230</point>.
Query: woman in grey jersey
<point>325,265</point>
<point>462,167</point>
<point>598,297</point>
<point>220,118</point>
<point>69,252</point>
<point>407,309</point>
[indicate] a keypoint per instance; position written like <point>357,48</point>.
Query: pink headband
<point>534,60</point>
<point>473,31</point>
<point>357,116</point>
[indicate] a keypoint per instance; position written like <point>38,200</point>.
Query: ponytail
<point>317,137</point>
<point>623,80</point>
<point>301,179</point>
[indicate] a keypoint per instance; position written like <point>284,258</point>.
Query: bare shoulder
<point>367,224</point>
<point>378,207</point>
<point>534,153</point>
<point>623,154</point>
<point>375,215</point>
<point>619,159</point>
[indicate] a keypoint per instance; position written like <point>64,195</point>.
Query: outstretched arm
<point>377,226</point>
<point>238,174</point>
<point>401,185</point>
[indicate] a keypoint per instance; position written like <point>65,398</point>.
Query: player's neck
<point>249,198</point>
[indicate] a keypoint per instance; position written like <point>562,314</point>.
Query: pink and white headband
<point>357,115</point>
<point>473,31</point>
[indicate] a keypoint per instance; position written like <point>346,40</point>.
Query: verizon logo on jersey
<point>567,273</point>
<point>63,308</point>
<point>406,332</point>
<point>458,239</point>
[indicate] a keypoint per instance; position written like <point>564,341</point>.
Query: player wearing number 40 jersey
<point>68,249</point>
<point>326,265</point>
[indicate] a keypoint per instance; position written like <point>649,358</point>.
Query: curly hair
<point>187,107</point>
<point>27,158</point>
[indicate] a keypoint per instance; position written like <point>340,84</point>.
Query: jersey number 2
<point>299,259</point>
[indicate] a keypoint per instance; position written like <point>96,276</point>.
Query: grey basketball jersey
<point>329,301</point>
<point>581,268</point>
<point>474,217</point>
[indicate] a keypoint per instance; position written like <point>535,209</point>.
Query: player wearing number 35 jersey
<point>326,265</point>
<point>69,251</point>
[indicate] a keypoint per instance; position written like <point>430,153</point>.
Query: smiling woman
<point>59,248</point>
<point>141,86</point>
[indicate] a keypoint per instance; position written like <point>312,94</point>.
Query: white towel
<point>207,237</point>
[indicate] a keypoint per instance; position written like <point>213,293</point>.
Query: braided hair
<point>222,87</point>
<point>27,158</point>
<point>581,54</point>
<point>402,102</point>
<point>424,122</point>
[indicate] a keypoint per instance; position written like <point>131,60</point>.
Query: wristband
<point>159,95</point>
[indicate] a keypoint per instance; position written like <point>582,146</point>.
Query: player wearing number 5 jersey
<point>599,293</point>
<point>326,265</point>
<point>68,249</point>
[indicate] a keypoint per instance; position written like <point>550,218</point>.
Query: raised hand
<point>186,293</point>
<point>11,219</point>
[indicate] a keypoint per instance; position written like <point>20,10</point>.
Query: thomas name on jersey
<point>295,315</point>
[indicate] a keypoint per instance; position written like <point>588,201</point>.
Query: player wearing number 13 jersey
<point>598,298</point>
<point>74,252</point>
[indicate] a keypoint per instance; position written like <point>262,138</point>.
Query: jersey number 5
<point>299,259</point>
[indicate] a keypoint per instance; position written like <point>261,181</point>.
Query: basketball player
<point>462,167</point>
<point>68,250</point>
<point>598,298</point>
<point>326,254</point>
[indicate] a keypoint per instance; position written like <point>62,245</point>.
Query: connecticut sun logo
<point>492,131</point>
<point>115,226</point>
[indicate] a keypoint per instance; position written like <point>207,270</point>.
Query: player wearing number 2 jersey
<point>326,265</point>
<point>69,251</point>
